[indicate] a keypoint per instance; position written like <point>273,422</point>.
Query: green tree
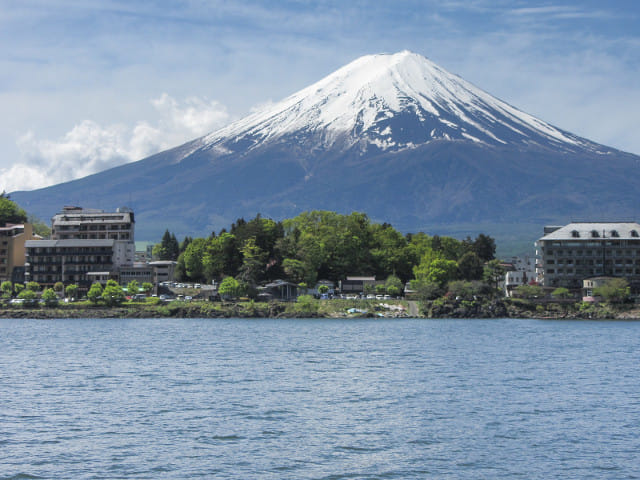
<point>181,270</point>
<point>426,290</point>
<point>323,289</point>
<point>470,266</point>
<point>29,296</point>
<point>494,272</point>
<point>133,287</point>
<point>50,298</point>
<point>381,289</point>
<point>306,304</point>
<point>394,285</point>
<point>113,293</point>
<point>389,252</point>
<point>468,289</point>
<point>253,262</point>
<point>295,270</point>
<point>7,289</point>
<point>71,291</point>
<point>39,227</point>
<point>58,287</point>
<point>147,287</point>
<point>529,291</point>
<point>33,286</point>
<point>485,247</point>
<point>185,243</point>
<point>193,257</point>
<point>561,292</point>
<point>168,248</point>
<point>228,287</point>
<point>18,287</point>
<point>614,290</point>
<point>10,212</point>
<point>95,293</point>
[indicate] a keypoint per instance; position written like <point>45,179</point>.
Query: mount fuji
<point>392,135</point>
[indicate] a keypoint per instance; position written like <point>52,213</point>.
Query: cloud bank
<point>90,148</point>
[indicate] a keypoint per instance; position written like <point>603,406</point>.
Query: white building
<point>578,251</point>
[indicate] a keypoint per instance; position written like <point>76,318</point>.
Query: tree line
<point>325,245</point>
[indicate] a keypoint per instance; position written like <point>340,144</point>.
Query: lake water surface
<point>319,399</point>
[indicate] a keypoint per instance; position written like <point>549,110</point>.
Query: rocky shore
<point>497,308</point>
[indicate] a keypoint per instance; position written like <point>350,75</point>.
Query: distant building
<point>279,290</point>
<point>86,245</point>
<point>89,224</point>
<point>589,285</point>
<point>67,261</point>
<point>521,271</point>
<point>577,251</point>
<point>12,249</point>
<point>163,270</point>
<point>356,284</point>
<point>140,272</point>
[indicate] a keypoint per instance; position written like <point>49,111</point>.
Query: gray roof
<point>586,230</point>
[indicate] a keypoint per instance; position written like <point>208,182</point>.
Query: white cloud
<point>90,148</point>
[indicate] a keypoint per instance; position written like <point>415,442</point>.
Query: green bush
<point>50,298</point>
<point>306,304</point>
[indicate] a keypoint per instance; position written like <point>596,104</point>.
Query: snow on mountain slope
<point>391,102</point>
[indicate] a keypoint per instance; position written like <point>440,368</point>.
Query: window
<point>575,234</point>
<point>634,234</point>
<point>595,234</point>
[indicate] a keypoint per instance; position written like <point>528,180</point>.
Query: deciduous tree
<point>95,293</point>
<point>50,298</point>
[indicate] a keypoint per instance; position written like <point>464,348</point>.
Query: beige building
<point>12,248</point>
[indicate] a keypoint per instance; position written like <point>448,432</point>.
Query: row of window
<point>592,271</point>
<point>96,236</point>
<point>598,252</point>
<point>596,234</point>
<point>608,261</point>
<point>67,250</point>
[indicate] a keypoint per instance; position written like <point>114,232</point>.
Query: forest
<point>324,245</point>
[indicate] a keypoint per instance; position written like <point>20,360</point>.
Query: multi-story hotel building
<point>88,224</point>
<point>83,241</point>
<point>568,255</point>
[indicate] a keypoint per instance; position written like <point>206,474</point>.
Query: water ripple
<point>319,399</point>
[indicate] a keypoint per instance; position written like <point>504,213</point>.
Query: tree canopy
<point>324,245</point>
<point>10,212</point>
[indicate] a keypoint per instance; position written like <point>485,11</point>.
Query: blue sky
<point>89,85</point>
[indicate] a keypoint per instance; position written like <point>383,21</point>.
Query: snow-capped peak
<point>391,101</point>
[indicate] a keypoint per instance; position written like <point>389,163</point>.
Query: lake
<point>319,399</point>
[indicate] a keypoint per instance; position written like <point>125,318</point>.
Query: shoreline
<point>400,309</point>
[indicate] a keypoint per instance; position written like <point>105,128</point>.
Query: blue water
<point>319,399</point>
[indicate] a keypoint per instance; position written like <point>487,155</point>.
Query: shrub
<point>95,293</point>
<point>306,304</point>
<point>50,298</point>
